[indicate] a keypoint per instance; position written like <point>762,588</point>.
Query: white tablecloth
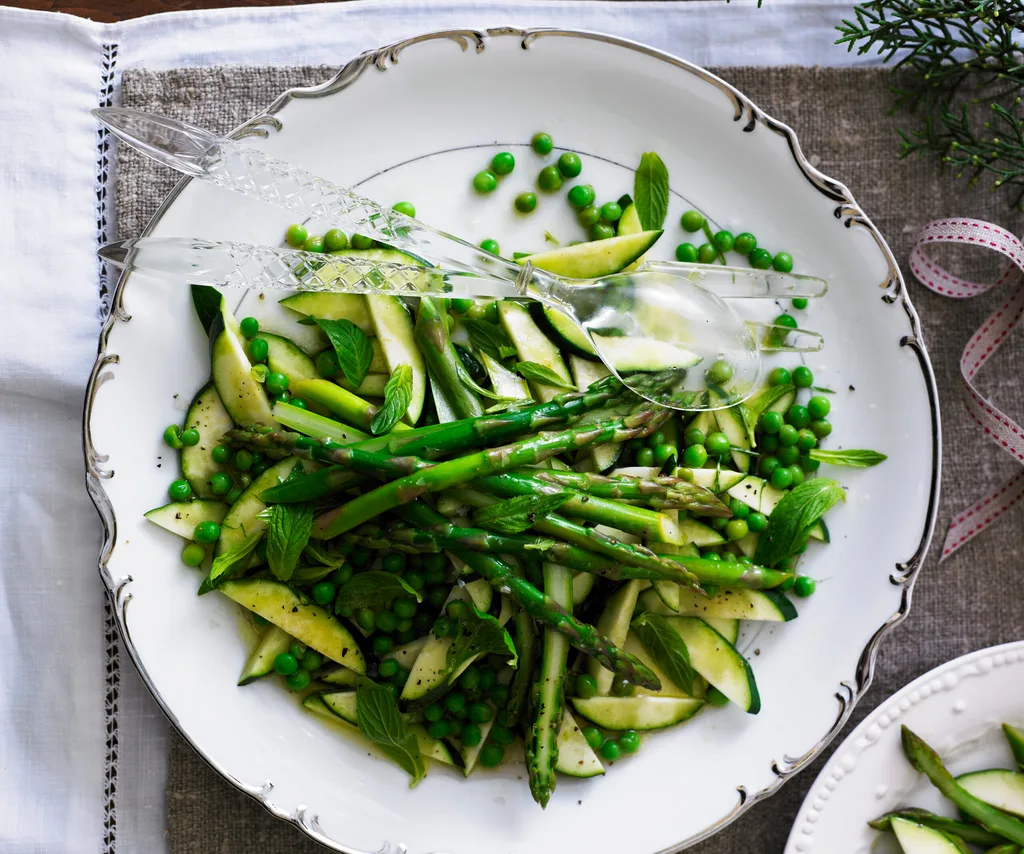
<point>82,746</point>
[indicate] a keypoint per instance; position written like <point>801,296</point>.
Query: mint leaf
<point>667,648</point>
<point>473,385</point>
<point>207,304</point>
<point>322,556</point>
<point>752,410</point>
<point>650,187</point>
<point>380,721</point>
<point>230,563</point>
<point>288,530</point>
<point>538,373</point>
<point>515,515</point>
<point>791,521</point>
<point>479,634</point>
<point>351,345</point>
<point>372,589</point>
<point>488,338</point>
<point>310,574</point>
<point>397,394</point>
<point>853,458</point>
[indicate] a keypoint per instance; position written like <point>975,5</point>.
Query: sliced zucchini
<point>1002,789</point>
<point>717,660</point>
<point>207,415</point>
<point>430,747</point>
<point>731,423</point>
<point>373,385</point>
<point>479,592</point>
<point>629,223</point>
<point>717,480</point>
<point>668,591</point>
<point>735,603</point>
<point>307,623</point>
<point>243,519</point>
<point>916,838</point>
<point>727,628</point>
<point>394,328</point>
<point>317,426</point>
<point>576,758</point>
<point>614,625</point>
<point>243,397</point>
<point>627,354</point>
<point>638,712</point>
<point>343,704</point>
<point>337,674</point>
<point>700,534</point>
<point>503,382</point>
<point>330,305</point>
<point>445,413</point>
<point>470,755</point>
<point>748,544</point>
<point>284,357</point>
<point>406,653</point>
<point>261,662</point>
<point>562,331</point>
<point>582,584</point>
<point>595,258</point>
<point>279,320</point>
<point>601,457</point>
<point>532,345</point>
<point>181,517</point>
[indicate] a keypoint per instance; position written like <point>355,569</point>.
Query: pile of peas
<point>721,242</point>
<point>298,237</point>
<point>611,747</point>
<point>599,220</point>
<point>297,664</point>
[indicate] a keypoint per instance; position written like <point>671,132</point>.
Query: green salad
<point>460,538</point>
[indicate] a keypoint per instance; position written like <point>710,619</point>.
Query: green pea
<point>803,377</point>
<point>821,428</point>
<point>286,664</point>
<point>694,436</point>
<point>525,202</point>
<point>783,262</point>
<point>788,434</point>
<point>405,609</point>
<point>296,235</point>
<point>645,457</point>
<point>407,208</point>
<point>276,383</point>
<point>806,440</point>
<point>781,478</point>
<point>499,695</point>
<point>442,627</point>
<point>190,437</point>
<point>193,554</point>
<point>771,422</point>
<point>233,496</point>
<point>382,644</point>
<point>720,372</point>
<point>736,529</point>
<point>712,556</point>
<point>491,755</point>
<point>589,216</point>
<point>796,474</point>
<point>386,621</point>
<point>769,464</point>
<point>502,735</point>
<point>324,592</point>
<point>760,259</point>
<point>629,741</point>
<point>470,679</point>
<point>706,253</point>
<point>311,660</point>
<point>717,444</point>
<point>569,164</point>
<point>388,668</point>
<point>249,327</point>
<point>601,231</point>
<point>581,196</point>
<point>342,575</point>
<point>745,243</point>
<point>220,483</point>
<point>485,182</point>
<point>728,557</point>
<point>798,416</point>
<point>455,702</point>
<point>180,490</point>
<point>585,685</point>
<point>723,241</point>
<point>692,221</point>
<point>299,403</point>
<point>313,243</point>
<point>393,562</point>
<point>298,681</point>
<point>327,363</point>
<point>687,253</point>
<point>243,460</point>
<point>786,320</point>
<point>695,456</point>
<point>769,443</point>
<point>656,439</point>
<point>172,437</point>
<point>415,579</point>
<point>490,245</point>
<point>258,349</point>
<point>335,240</point>
<point>779,376</point>
<point>819,407</point>
<point>480,713</point>
<point>809,465</point>
<point>487,679</point>
<point>611,212</point>
<point>622,688</point>
<point>471,735</point>
<point>361,241</point>
<point>542,143</point>
<point>799,303</point>
<point>716,697</point>
<point>738,509</point>
<point>502,164</point>
<point>594,736</point>
<point>221,454</point>
<point>244,479</point>
<point>804,586</point>
<point>549,179</point>
<point>788,454</point>
<point>756,522</point>
<point>664,453</point>
<point>207,532</point>
<point>366,619</point>
<point>402,675</point>
<point>433,712</point>
<point>610,750</point>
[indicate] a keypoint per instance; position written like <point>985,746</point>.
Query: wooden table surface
<point>122,10</point>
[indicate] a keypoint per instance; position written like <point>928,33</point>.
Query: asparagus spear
<point>347,406</point>
<point>492,461</point>
<point>927,761</point>
<point>1015,737</point>
<point>431,334</point>
<point>522,682</point>
<point>641,521</point>
<point>666,493</point>
<point>541,743</point>
<point>972,833</point>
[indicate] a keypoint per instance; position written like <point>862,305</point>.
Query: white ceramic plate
<point>415,121</point>
<point>957,708</point>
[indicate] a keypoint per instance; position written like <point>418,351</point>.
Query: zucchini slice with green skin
<point>1015,738</point>
<point>602,457</point>
<point>595,258</point>
<point>243,397</point>
<point>330,305</point>
<point>307,623</point>
<point>339,675</point>
<point>406,653</point>
<point>638,712</point>
<point>373,385</point>
<point>997,787</point>
<point>470,755</point>
<point>181,517</point>
<point>317,426</point>
<point>731,423</point>
<point>734,603</point>
<point>261,662</point>
<point>916,838</point>
<point>243,519</point>
<point>614,625</point>
<point>503,381</point>
<point>717,660</point>
<point>629,223</point>
<point>532,345</point>
<point>576,758</point>
<point>727,628</point>
<point>562,331</point>
<point>627,355</point>
<point>700,534</point>
<point>284,357</point>
<point>582,584</point>
<point>207,415</point>
<point>394,328</point>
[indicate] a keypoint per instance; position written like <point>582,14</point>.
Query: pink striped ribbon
<point>1000,428</point>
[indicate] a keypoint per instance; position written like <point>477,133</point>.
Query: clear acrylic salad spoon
<point>658,330</point>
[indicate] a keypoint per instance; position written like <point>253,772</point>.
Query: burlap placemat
<point>841,118</point>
